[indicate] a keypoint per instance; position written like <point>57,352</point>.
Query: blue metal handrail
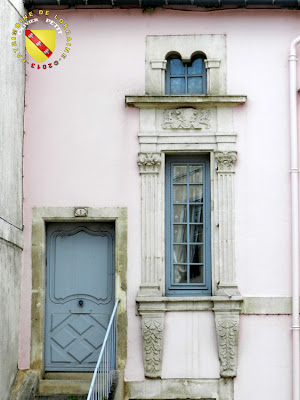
<point>106,364</point>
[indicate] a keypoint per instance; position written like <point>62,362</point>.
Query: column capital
<point>212,63</point>
<point>158,64</point>
<point>226,160</point>
<point>149,163</point>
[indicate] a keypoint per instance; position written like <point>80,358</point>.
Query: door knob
<point>80,302</point>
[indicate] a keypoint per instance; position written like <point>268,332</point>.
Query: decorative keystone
<point>81,212</point>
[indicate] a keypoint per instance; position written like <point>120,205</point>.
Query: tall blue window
<point>188,255</point>
<point>186,78</point>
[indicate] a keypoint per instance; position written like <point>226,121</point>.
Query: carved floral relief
<point>149,162</point>
<point>152,330</point>
<point>186,118</point>
<point>226,160</point>
<point>227,334</point>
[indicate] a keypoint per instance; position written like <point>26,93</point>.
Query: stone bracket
<point>227,312</point>
<point>152,332</point>
<point>227,329</point>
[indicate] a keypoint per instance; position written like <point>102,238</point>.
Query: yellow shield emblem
<point>40,44</point>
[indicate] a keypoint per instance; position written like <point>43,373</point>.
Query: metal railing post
<point>104,370</point>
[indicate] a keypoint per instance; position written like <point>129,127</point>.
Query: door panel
<point>79,293</point>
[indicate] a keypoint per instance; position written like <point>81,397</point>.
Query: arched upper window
<point>186,78</point>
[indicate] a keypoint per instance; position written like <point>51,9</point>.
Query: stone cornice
<point>167,304</point>
<point>280,305</point>
<point>184,101</point>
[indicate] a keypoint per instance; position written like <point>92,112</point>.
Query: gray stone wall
<point>12,82</point>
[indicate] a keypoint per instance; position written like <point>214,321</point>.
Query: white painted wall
<point>12,84</point>
<point>81,148</point>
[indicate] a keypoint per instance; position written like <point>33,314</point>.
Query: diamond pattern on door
<point>80,324</point>
<point>80,352</point>
<point>77,337</point>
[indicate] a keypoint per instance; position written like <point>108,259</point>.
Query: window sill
<point>184,100</point>
<point>168,304</point>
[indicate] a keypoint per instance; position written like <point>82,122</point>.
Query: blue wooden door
<point>79,293</point>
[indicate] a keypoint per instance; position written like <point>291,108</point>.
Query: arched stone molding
<point>158,48</point>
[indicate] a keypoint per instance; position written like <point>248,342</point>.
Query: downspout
<point>295,217</point>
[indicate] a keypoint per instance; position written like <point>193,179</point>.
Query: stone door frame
<point>40,217</point>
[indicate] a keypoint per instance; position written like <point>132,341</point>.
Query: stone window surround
<point>203,124</point>
<point>70,214</point>
<point>159,48</point>
<point>181,125</point>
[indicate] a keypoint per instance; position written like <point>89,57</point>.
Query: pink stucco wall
<point>81,147</point>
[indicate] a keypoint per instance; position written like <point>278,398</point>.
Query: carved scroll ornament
<point>186,118</point>
<point>149,162</point>
<point>152,331</point>
<point>226,160</point>
<point>227,334</point>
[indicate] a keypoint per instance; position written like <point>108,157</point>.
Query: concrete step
<point>82,376</point>
<point>63,387</point>
<point>59,397</point>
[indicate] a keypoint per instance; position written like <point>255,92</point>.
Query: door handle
<point>80,302</point>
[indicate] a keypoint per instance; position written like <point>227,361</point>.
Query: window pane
<point>196,213</point>
<point>196,174</point>
<point>196,253</point>
<point>179,253</point>
<point>176,67</point>
<point>177,85</point>
<point>179,173</point>
<point>196,233</point>
<point>196,274</point>
<point>180,274</point>
<point>179,213</point>
<point>194,85</point>
<point>196,193</point>
<point>196,67</point>
<point>179,194</point>
<point>180,234</point>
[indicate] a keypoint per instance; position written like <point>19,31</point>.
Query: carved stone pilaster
<point>149,163</point>
<point>227,329</point>
<point>225,222</point>
<point>212,70</point>
<point>152,331</point>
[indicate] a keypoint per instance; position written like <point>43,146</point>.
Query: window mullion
<point>186,74</point>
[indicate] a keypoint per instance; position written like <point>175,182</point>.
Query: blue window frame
<point>186,78</point>
<point>188,254</point>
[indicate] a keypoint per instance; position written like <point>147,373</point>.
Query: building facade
<point>163,137</point>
